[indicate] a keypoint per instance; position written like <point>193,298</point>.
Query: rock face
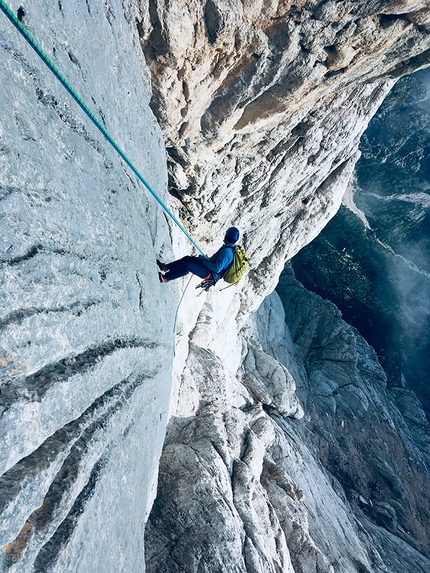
<point>212,513</point>
<point>248,482</point>
<point>85,363</point>
<point>261,106</point>
<point>363,439</point>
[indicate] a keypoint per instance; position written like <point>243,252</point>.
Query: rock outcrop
<point>212,511</point>
<point>261,107</point>
<point>364,437</point>
<point>249,483</point>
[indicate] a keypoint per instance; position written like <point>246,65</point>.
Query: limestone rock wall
<point>262,106</point>
<point>300,461</point>
<point>366,440</point>
<point>211,512</point>
<point>85,362</point>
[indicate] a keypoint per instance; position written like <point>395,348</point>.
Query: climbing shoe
<point>161,266</point>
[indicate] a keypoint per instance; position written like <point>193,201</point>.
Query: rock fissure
<point>18,316</point>
<point>49,551</point>
<point>35,386</point>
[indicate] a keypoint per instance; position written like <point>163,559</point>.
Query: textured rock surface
<point>249,484</point>
<point>367,443</point>
<point>85,362</point>
<point>261,106</point>
<point>212,512</point>
<point>268,136</point>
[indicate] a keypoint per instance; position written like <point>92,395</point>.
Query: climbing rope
<point>176,315</point>
<point>27,36</point>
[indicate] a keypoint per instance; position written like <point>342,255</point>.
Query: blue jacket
<point>219,263</point>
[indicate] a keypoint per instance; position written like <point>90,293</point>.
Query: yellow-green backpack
<point>238,266</point>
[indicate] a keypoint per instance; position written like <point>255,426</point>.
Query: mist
<point>373,259</point>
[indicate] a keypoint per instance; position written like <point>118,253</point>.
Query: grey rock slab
<point>85,362</point>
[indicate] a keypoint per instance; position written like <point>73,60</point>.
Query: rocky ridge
<point>251,479</point>
<point>278,128</point>
<point>261,107</point>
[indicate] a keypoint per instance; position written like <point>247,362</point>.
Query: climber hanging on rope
<point>228,263</point>
<point>209,269</point>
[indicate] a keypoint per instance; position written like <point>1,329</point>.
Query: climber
<point>211,268</point>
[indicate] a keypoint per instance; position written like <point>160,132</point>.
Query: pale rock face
<point>269,382</point>
<point>253,485</point>
<point>261,106</point>
<point>211,509</point>
<point>85,363</point>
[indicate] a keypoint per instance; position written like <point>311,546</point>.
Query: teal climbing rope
<point>175,322</point>
<point>24,32</point>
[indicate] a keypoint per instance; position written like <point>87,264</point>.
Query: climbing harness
<point>206,285</point>
<point>27,36</point>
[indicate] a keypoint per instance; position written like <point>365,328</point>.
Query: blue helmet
<point>232,235</point>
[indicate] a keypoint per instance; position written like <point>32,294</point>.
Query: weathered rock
<point>85,363</point>
<point>362,439</point>
<point>333,491</point>
<point>270,382</point>
<point>261,106</point>
<point>211,510</point>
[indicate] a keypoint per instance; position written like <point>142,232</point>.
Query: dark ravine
<point>378,271</point>
<point>261,107</point>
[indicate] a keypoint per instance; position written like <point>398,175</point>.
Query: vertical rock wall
<point>85,361</point>
<point>377,451</point>
<point>261,106</point>
<point>296,459</point>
